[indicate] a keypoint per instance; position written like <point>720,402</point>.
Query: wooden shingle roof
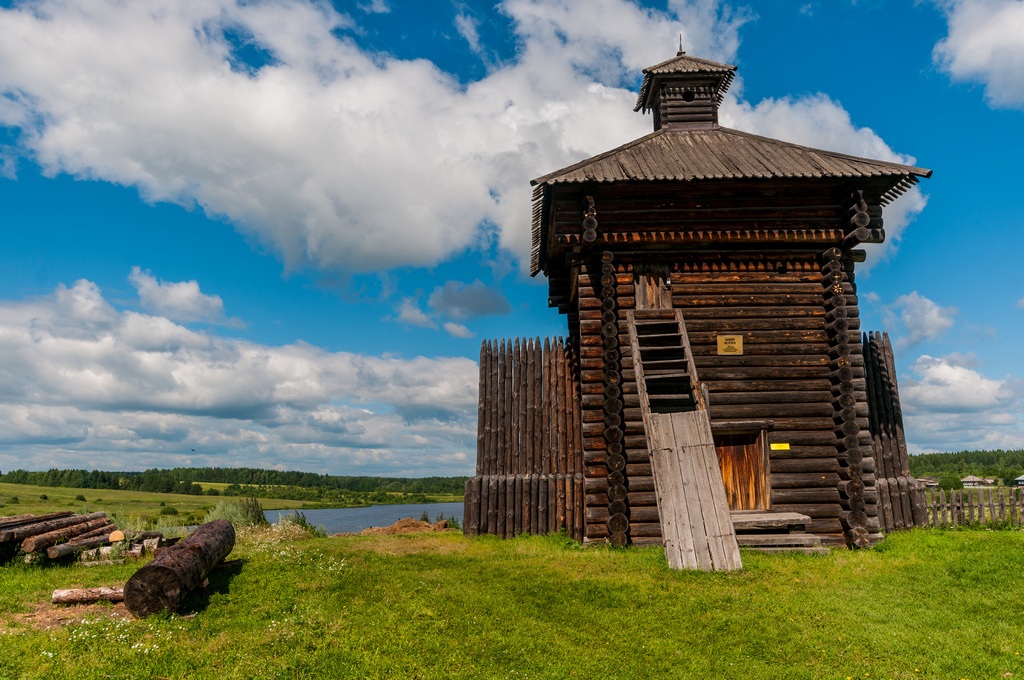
<point>685,155</point>
<point>683,63</point>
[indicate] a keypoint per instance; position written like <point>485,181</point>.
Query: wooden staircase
<point>696,524</point>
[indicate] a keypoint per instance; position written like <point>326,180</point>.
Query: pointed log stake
<point>88,595</point>
<point>163,584</point>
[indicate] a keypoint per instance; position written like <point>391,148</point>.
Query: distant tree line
<point>292,485</point>
<point>1000,464</point>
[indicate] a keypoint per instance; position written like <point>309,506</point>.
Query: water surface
<point>344,520</point>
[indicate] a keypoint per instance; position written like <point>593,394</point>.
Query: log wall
<point>529,476</point>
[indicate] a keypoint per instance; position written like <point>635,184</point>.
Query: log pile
<point>60,534</point>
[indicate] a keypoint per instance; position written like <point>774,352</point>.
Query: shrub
<point>243,513</point>
<point>13,500</point>
<point>169,510</point>
<point>212,492</point>
<point>80,497</point>
<point>43,497</point>
<point>950,482</point>
<point>425,517</point>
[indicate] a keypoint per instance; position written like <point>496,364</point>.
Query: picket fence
<point>975,507</point>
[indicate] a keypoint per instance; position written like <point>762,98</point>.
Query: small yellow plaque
<point>779,447</point>
<point>730,344</point>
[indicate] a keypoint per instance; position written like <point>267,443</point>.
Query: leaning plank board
<point>696,525</point>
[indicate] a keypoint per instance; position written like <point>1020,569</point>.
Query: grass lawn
<point>928,604</point>
<point>139,503</point>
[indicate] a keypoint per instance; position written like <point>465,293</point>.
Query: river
<point>344,520</point>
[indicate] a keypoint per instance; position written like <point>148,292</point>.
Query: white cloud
<point>83,384</point>
<point>985,44</point>
<point>331,156</point>
<point>409,312</point>
<point>921,318</point>
<point>467,28</point>
<point>819,122</point>
<point>181,301</point>
<point>457,330</point>
<point>375,7</point>
<point>948,405</point>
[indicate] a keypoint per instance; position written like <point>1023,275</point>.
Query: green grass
<point>929,604</point>
<point>139,503</point>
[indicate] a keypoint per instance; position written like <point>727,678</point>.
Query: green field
<point>927,604</point>
<point>125,503</point>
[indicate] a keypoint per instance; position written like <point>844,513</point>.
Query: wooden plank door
<point>743,458</point>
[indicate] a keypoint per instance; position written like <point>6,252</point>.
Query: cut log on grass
<point>88,595</point>
<point>56,551</point>
<point>135,536</point>
<point>19,520</point>
<point>22,532</point>
<point>163,584</point>
<point>41,541</point>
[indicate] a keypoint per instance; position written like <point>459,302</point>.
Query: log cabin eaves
<point>683,154</point>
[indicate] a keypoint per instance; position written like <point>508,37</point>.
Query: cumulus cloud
<point>949,405</point>
<point>985,45</point>
<point>822,123</point>
<point>459,301</point>
<point>921,318</point>
<point>87,384</point>
<point>409,313</point>
<point>329,155</point>
<point>457,330</point>
<point>181,301</point>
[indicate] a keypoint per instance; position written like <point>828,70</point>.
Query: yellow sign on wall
<point>730,344</point>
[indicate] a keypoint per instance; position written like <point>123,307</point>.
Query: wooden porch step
<point>776,540</point>
<point>757,520</point>
<point>814,550</point>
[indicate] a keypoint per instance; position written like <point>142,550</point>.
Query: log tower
<point>753,242</point>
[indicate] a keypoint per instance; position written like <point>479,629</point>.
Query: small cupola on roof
<point>684,92</point>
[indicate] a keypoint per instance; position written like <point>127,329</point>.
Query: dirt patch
<point>403,526</point>
<point>397,545</point>
<point>46,616</point>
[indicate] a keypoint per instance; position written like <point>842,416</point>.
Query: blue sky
<point>275,233</point>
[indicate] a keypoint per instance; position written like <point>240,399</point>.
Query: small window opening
<point>687,95</point>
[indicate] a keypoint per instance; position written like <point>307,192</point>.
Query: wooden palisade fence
<point>975,507</point>
<point>901,498</point>
<point>529,474</point>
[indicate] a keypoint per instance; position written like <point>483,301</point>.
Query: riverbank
<point>16,499</point>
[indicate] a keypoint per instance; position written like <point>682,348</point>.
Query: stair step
<point>778,540</point>
<point>815,550</point>
<point>665,374</point>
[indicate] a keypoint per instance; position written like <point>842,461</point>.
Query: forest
<point>1005,465</point>
<point>294,485</point>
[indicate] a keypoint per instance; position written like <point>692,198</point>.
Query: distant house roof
<point>972,478</point>
<point>1019,479</point>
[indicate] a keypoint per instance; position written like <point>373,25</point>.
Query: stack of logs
<point>62,533</point>
<point>860,530</point>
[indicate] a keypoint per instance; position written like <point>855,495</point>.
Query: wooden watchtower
<point>710,272</point>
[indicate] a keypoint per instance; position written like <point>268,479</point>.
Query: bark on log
<point>57,551</point>
<point>88,595</point>
<point>19,520</point>
<point>163,584</point>
<point>41,541</point>
<point>20,533</point>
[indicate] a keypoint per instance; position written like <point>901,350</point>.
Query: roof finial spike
<point>680,52</point>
